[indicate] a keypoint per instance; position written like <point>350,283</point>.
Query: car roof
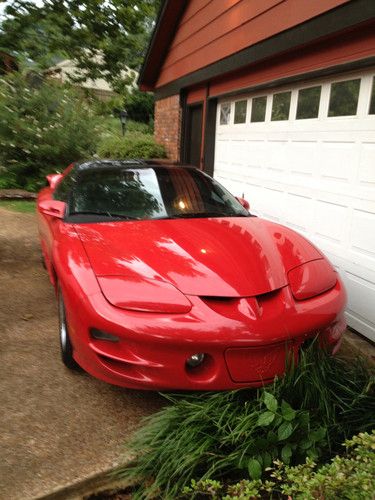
<point>102,164</point>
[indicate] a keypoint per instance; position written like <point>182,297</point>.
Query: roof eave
<point>165,28</point>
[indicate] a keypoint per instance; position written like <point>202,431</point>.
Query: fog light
<point>195,360</point>
<point>100,335</point>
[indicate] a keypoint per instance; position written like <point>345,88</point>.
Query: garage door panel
<point>298,211</point>
<point>255,152</point>
<point>303,158</point>
<point>367,165</point>
<point>363,232</point>
<point>316,176</point>
<point>330,221</point>
<point>361,299</point>
<point>338,159</point>
<point>274,208</point>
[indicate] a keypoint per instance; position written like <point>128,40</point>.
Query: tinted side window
<point>343,100</point>
<point>64,187</point>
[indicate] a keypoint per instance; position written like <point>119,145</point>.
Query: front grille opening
<point>215,298</point>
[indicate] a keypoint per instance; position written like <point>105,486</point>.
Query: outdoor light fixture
<point>123,117</point>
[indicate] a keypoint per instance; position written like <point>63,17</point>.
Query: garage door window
<point>343,100</point>
<point>372,102</point>
<point>258,109</point>
<point>240,109</point>
<point>225,114</point>
<point>281,106</point>
<point>308,103</point>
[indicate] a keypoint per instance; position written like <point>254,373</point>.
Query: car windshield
<point>141,193</point>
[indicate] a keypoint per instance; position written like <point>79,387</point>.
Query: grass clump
<point>349,476</point>
<point>24,206</point>
<point>239,434</point>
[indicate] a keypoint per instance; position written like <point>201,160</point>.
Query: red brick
<point>168,125</point>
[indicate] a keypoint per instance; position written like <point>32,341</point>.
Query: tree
<point>44,127</point>
<point>102,36</point>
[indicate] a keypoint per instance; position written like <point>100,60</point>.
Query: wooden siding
<point>213,29</point>
<point>352,46</point>
<point>196,94</point>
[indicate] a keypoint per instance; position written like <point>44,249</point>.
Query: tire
<point>65,343</point>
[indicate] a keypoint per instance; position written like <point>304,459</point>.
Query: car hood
<point>226,257</point>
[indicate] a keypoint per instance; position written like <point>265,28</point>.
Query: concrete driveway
<point>57,427</point>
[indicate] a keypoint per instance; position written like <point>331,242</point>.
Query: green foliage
<point>350,476</point>
<point>133,145</point>
<point>140,106</point>
<point>306,414</point>
<point>111,126</point>
<point>43,128</point>
<point>79,30</point>
<point>24,206</point>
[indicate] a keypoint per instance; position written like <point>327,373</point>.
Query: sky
<point>4,4</point>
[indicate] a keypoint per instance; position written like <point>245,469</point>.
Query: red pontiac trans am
<point>164,280</point>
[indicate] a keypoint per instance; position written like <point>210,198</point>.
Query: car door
<point>49,225</point>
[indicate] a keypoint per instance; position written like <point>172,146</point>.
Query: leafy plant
<point>238,434</point>
<point>43,128</point>
<point>134,145</point>
<point>349,476</point>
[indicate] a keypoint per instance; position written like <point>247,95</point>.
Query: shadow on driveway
<point>57,427</point>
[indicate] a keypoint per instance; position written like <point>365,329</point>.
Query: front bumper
<point>245,340</point>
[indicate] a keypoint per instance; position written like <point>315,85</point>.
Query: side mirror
<point>54,208</point>
<point>53,180</point>
<point>243,202</point>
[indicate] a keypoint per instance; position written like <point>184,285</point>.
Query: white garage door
<point>305,157</point>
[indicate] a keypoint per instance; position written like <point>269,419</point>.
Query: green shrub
<point>140,106</point>
<point>307,413</point>
<point>43,128</point>
<point>143,128</point>
<point>133,145</point>
<point>350,476</point>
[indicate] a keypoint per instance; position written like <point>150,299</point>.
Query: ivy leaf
<point>270,401</point>
<point>267,459</point>
<point>265,418</point>
<point>255,469</point>
<point>305,444</point>
<point>287,411</point>
<point>313,454</point>
<point>318,434</point>
<point>284,431</point>
<point>286,453</point>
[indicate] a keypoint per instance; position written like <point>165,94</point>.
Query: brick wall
<point>168,125</point>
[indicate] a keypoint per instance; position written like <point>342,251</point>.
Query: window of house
<point>225,114</point>
<point>308,103</point>
<point>281,106</point>
<point>371,111</point>
<point>258,109</point>
<point>240,108</point>
<point>343,100</point>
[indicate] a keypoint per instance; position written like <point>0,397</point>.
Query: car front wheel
<point>65,343</point>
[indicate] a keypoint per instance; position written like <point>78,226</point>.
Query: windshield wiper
<point>200,215</point>
<point>105,214</point>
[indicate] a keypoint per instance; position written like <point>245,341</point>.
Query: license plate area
<point>254,364</point>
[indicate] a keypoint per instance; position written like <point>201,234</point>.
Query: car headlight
<point>141,294</point>
<point>311,279</point>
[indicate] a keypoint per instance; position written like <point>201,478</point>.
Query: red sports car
<point>164,280</point>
